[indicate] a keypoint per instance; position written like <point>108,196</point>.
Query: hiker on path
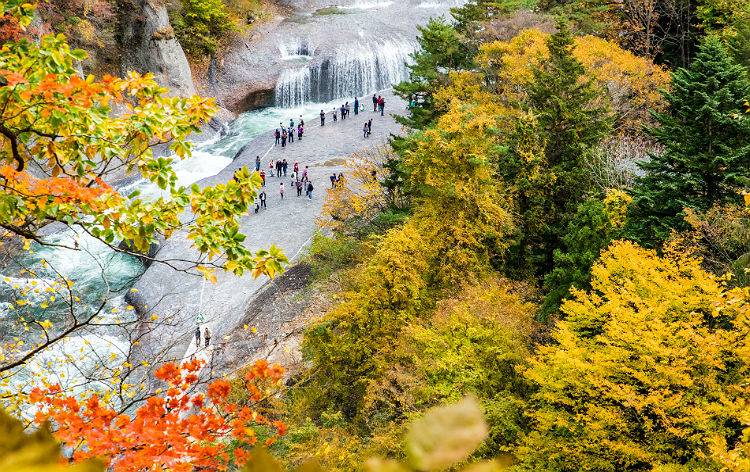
<point>291,134</point>
<point>284,165</point>
<point>294,177</point>
<point>309,190</point>
<point>299,132</point>
<point>262,179</point>
<point>340,179</point>
<point>347,108</point>
<point>257,163</point>
<point>369,127</point>
<point>271,167</point>
<point>281,190</point>
<point>197,336</point>
<point>322,118</point>
<point>207,336</point>
<point>381,105</point>
<point>301,121</point>
<point>365,130</point>
<point>304,174</point>
<point>283,139</point>
<point>334,114</point>
<point>277,135</point>
<point>356,106</point>
<point>299,187</point>
<point>296,167</point>
<point>343,112</point>
<point>279,168</point>
<point>262,197</point>
<point>374,102</point>
<point>333,180</point>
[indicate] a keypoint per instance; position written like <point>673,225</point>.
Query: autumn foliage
<point>179,431</point>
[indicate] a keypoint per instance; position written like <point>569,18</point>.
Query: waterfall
<point>352,71</point>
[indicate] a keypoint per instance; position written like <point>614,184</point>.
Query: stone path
<point>287,223</point>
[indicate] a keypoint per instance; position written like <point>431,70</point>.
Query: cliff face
<point>149,45</point>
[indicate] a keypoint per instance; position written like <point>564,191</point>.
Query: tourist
<point>284,165</point>
<point>283,139</point>
<point>262,179</point>
<point>207,336</point>
<point>299,132</point>
<point>234,176</point>
<point>322,118</point>
<point>304,174</point>
<point>279,167</point>
<point>271,166</point>
<point>293,177</point>
<point>301,121</point>
<point>257,163</point>
<point>343,112</point>
<point>281,190</point>
<point>291,123</point>
<point>262,199</point>
<point>299,187</point>
<point>333,180</point>
<point>374,102</point>
<point>309,190</point>
<point>197,336</point>
<point>346,108</point>
<point>334,114</point>
<point>356,106</point>
<point>296,167</point>
<point>365,130</point>
<point>257,207</point>
<point>277,135</point>
<point>381,105</point>
<point>369,127</point>
<point>340,179</point>
<point>291,134</point>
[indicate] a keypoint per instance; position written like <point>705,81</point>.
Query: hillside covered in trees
<point>548,271</point>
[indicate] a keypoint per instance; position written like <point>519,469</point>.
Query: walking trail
<point>288,223</point>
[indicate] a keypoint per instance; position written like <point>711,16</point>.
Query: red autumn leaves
<point>180,431</point>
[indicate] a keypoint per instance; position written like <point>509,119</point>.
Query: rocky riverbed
<point>287,223</point>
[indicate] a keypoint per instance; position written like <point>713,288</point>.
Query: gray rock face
<point>149,45</point>
<point>322,52</point>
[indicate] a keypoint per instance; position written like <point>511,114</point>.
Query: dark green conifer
<point>705,134</point>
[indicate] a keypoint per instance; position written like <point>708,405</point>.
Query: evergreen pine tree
<point>441,51</point>
<point>572,117</point>
<point>706,141</point>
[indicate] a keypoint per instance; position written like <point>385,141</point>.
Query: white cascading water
<point>352,71</point>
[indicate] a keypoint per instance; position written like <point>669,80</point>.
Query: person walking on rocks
<point>279,166</point>
<point>304,174</point>
<point>262,197</point>
<point>343,112</point>
<point>322,118</point>
<point>333,180</point>
<point>283,139</point>
<point>299,187</point>
<point>334,114</point>
<point>291,134</point>
<point>356,106</point>
<point>300,130</point>
<point>281,190</point>
<point>374,102</point>
<point>301,121</point>
<point>347,109</point>
<point>284,165</point>
<point>271,167</point>
<point>257,162</point>
<point>309,190</point>
<point>296,167</point>
<point>277,135</point>
<point>369,127</point>
<point>197,336</point>
<point>262,179</point>
<point>207,336</point>
<point>365,130</point>
<point>381,105</point>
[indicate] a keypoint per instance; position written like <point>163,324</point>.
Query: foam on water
<point>358,69</point>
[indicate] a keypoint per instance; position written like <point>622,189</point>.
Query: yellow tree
<point>648,371</point>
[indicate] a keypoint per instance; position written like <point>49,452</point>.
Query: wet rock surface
<point>287,223</point>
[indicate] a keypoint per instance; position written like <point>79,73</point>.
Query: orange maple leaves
<point>180,431</point>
